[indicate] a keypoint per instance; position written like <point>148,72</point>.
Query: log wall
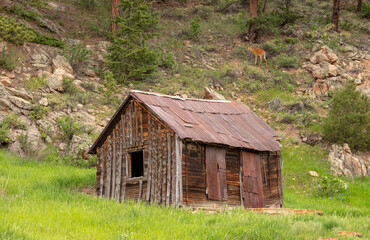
<point>139,130</point>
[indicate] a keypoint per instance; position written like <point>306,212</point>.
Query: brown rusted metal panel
<point>208,121</point>
<point>252,180</point>
<point>216,173</point>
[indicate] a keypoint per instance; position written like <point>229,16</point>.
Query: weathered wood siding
<point>195,183</point>
<point>138,130</point>
<point>271,179</point>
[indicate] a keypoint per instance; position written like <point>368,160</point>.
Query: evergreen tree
<point>130,56</point>
<point>348,120</point>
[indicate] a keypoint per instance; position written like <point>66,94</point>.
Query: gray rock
<point>5,81</point>
<point>60,62</point>
<point>20,93</point>
<point>63,147</point>
<point>43,102</point>
<point>55,81</point>
<point>55,6</point>
<point>79,145</point>
<point>313,173</point>
<point>19,102</point>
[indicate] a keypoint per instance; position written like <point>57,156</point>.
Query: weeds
<point>10,58</point>
<point>195,29</point>
<point>68,126</point>
<point>36,83</point>
<point>76,55</point>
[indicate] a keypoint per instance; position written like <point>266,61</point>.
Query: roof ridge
<point>180,98</point>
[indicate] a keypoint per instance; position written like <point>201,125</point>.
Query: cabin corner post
<point>178,152</point>
<point>281,180</point>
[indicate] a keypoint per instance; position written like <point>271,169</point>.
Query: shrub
<point>291,40</point>
<point>76,55</point>
<point>166,60</point>
<point>130,56</point>
<point>9,122</point>
<point>36,83</point>
<point>38,111</point>
<point>48,40</point>
<point>286,61</point>
<point>195,27</point>
<point>88,4</point>
<point>348,120</point>
<point>19,10</point>
<point>15,32</point>
<point>9,58</point>
<point>27,147</point>
<point>329,186</point>
<point>75,93</point>
<point>365,10</point>
<point>281,81</point>
<point>68,126</point>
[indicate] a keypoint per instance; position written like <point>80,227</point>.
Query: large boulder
<point>60,64</point>
<point>345,163</point>
<point>324,55</point>
<point>20,102</point>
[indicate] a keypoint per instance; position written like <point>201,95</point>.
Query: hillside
<point>58,92</point>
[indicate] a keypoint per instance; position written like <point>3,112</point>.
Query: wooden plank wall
<point>271,179</point>
<point>139,130</point>
<point>194,176</point>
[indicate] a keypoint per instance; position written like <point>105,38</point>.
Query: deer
<point>258,52</point>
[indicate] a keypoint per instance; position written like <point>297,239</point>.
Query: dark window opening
<point>137,164</point>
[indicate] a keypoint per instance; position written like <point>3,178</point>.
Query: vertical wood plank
<point>178,171</point>
<point>113,192</point>
<point>119,165</point>
<point>160,151</point>
<point>130,123</point>
<point>164,169</point>
<point>109,168</point>
<point>140,189</point>
<point>168,168</point>
<point>141,127</point>
<point>153,144</point>
<point>173,170</point>
<point>136,126</point>
<point>149,174</point>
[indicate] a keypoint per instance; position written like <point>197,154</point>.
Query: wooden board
<point>252,180</point>
<point>216,173</point>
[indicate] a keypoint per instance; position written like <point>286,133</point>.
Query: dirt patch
<point>89,191</point>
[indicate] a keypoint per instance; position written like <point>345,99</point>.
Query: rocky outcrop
<point>345,163</point>
<point>211,94</point>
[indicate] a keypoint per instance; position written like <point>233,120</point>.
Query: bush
<point>329,186</point>
<point>195,27</point>
<point>36,83</point>
<point>348,120</point>
<point>48,40</point>
<point>130,56</point>
<point>286,61</point>
<point>68,126</point>
<point>365,10</point>
<point>15,32</point>
<point>76,55</point>
<point>9,122</point>
<point>38,111</point>
<point>10,58</point>
<point>74,92</point>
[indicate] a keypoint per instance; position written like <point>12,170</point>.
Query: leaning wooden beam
<point>178,151</point>
<point>281,179</point>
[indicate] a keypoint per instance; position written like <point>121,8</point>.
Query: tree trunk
<point>359,5</point>
<point>253,5</point>
<point>264,6</point>
<point>335,17</point>
<point>114,13</point>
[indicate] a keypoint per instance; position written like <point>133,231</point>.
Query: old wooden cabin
<point>202,153</point>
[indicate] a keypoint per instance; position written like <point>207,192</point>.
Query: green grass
<point>43,201</point>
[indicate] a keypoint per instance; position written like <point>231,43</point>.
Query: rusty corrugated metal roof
<point>223,122</point>
<point>210,121</point>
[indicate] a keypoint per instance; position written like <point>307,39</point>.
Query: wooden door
<point>216,173</point>
<point>252,180</point>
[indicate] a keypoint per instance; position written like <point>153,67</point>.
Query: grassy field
<point>44,201</point>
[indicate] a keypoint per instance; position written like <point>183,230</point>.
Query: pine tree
<point>130,56</point>
<point>348,120</point>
